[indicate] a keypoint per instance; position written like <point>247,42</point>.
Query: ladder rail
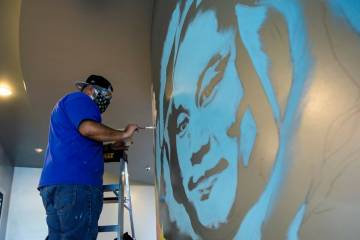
<point>122,196</point>
<point>127,185</point>
<point>121,202</point>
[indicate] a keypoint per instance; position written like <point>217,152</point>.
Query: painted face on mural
<point>220,122</point>
<point>206,97</point>
<point>212,125</point>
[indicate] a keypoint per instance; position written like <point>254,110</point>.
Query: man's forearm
<point>99,132</point>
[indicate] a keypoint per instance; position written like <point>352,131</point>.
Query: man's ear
<point>88,90</point>
<point>267,43</point>
<point>274,37</point>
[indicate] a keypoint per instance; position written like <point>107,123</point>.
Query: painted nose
<point>197,157</point>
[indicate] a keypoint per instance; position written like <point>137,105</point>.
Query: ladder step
<point>111,187</point>
<point>108,228</point>
<point>111,200</point>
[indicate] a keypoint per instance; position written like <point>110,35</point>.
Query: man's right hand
<point>131,129</point>
<point>99,132</point>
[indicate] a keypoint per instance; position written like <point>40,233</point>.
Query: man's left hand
<point>121,145</point>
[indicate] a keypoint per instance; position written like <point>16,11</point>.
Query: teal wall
<point>257,111</point>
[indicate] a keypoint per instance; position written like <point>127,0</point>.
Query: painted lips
<point>221,166</point>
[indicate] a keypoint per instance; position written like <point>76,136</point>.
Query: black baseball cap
<point>95,80</point>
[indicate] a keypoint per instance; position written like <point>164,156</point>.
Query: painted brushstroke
<point>293,233</point>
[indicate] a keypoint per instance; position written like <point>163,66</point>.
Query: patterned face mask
<point>102,98</point>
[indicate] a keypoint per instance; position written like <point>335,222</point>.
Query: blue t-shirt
<point>70,157</point>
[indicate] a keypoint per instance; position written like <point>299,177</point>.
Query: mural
<point>236,91</point>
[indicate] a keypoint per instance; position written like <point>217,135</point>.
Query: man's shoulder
<point>75,95</point>
<point>78,102</point>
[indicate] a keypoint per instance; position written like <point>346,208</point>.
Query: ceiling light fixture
<point>39,150</point>
<point>24,83</point>
<point>148,168</point>
<point>5,91</point>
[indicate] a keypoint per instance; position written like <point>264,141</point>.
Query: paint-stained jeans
<point>72,211</point>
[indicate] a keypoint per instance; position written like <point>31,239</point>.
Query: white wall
<point>6,174</point>
<point>27,216</point>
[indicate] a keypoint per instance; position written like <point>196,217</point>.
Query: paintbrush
<point>150,127</point>
<point>141,128</point>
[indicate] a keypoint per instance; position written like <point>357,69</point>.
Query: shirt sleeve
<point>81,108</point>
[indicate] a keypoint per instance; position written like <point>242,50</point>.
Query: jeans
<point>72,211</point>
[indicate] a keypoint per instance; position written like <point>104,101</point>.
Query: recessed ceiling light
<point>39,150</point>
<point>5,91</point>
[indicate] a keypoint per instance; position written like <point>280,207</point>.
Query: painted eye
<point>182,123</point>
<point>211,78</point>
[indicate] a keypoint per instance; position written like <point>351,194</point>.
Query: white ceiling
<point>60,42</point>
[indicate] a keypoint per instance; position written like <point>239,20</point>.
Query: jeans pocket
<point>98,200</point>
<point>65,198</point>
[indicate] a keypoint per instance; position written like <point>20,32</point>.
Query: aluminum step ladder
<point>121,192</point>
